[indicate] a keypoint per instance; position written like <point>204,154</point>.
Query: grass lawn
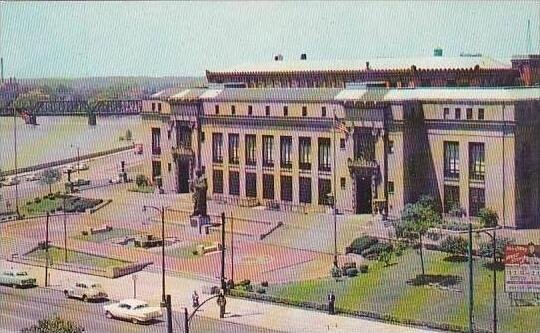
<point>106,236</point>
<point>37,208</point>
<point>386,290</point>
<point>186,251</point>
<point>56,255</point>
<point>143,189</point>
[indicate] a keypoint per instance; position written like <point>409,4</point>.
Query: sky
<point>78,39</point>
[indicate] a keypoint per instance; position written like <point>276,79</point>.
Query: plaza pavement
<point>240,311</point>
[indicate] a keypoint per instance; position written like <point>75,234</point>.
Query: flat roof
<point>383,64</point>
<point>273,94</point>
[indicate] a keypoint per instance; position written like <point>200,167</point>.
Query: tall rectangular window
<point>250,110</point>
<point>457,113</point>
<point>304,189</point>
<point>286,151</point>
<point>324,154</point>
<point>323,111</point>
<point>325,188</point>
<point>451,159</point>
<point>159,107</point>
<point>477,200</point>
<point>304,152</point>
<point>286,188</point>
<point>156,170</point>
<point>267,110</point>
<point>156,141</point>
<point>451,198</point>
<point>480,114</point>
<point>217,181</point>
<point>216,109</point>
<point>251,185</point>
<point>233,148</point>
<point>217,147</point>
<point>304,111</point>
<point>469,113</point>
<point>446,113</point>
<point>251,149</point>
<point>234,183</point>
<point>285,111</point>
<point>233,110</point>
<point>268,186</point>
<point>268,147</point>
<point>477,163</point>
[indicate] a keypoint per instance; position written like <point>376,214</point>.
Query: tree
<point>486,249</point>
<point>385,256</point>
<point>54,325</point>
<point>417,218</point>
<point>488,218</point>
<point>455,245</point>
<point>50,177</point>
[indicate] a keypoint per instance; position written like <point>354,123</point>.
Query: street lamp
<point>162,212</point>
<point>78,156</point>
<point>493,237</point>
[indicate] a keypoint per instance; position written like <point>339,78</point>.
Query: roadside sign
<point>522,268</point>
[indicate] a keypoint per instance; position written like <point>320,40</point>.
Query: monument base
<point>199,221</point>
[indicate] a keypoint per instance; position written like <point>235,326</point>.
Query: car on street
<point>80,182</point>
<point>17,279</point>
<point>11,180</point>
<point>81,166</point>
<point>31,177</point>
<point>67,168</point>
<point>86,291</point>
<point>117,179</point>
<point>134,310</point>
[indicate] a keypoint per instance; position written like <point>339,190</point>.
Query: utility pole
<point>223,284</point>
<point>186,321</point>
<point>65,228</point>
<point>47,250</point>
<point>15,161</point>
<point>163,254</point>
<point>169,314</point>
<point>334,185</point>
<point>232,249</point>
<point>471,295</point>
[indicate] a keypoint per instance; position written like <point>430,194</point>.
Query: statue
<point>199,186</point>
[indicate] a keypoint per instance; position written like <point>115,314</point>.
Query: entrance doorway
<point>182,185</point>
<point>363,195</point>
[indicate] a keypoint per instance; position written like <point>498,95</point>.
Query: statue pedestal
<point>199,221</point>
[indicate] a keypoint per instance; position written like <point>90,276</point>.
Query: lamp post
<point>494,258</point>
<point>78,156</point>
<point>15,161</point>
<point>162,212</point>
<point>471,295</point>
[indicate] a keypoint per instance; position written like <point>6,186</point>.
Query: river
<point>56,138</point>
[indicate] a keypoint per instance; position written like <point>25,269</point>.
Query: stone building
<point>469,147</point>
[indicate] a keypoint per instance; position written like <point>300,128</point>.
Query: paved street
<point>38,303</point>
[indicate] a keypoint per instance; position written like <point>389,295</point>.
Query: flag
<point>340,126</point>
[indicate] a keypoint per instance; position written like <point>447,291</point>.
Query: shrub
<point>454,245</point>
<point>486,249</point>
<point>248,288</point>
<point>351,272</point>
<point>362,243</point>
<point>37,200</point>
<point>375,250</point>
<point>400,248</point>
<point>348,265</point>
<point>85,233</point>
<point>335,272</point>
<point>264,283</point>
<point>261,290</point>
<point>141,180</point>
<point>29,202</point>
<point>244,283</point>
<point>488,217</point>
<point>230,284</point>
<point>364,268</point>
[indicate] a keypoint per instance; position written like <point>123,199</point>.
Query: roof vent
<point>437,52</point>
<point>303,56</point>
<point>278,57</point>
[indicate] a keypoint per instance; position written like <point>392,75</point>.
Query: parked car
<point>81,166</point>
<point>31,177</point>
<point>12,180</point>
<point>115,179</point>
<point>136,311</point>
<point>86,291</point>
<point>69,167</point>
<point>16,279</point>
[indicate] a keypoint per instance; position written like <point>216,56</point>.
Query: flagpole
<point>334,188</point>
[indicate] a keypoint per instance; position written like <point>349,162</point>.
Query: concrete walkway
<point>257,314</point>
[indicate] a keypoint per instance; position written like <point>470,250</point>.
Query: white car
<point>12,180</point>
<point>68,167</point>
<point>31,177</point>
<point>115,179</point>
<point>86,290</point>
<point>81,166</point>
<point>134,310</point>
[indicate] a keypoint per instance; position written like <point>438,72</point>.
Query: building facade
<point>467,147</point>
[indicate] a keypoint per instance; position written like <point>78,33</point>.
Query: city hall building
<point>377,144</point>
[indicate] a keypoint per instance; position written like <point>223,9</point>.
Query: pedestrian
<point>331,303</point>
<point>195,299</point>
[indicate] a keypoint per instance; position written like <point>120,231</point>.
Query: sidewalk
<point>257,314</point>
